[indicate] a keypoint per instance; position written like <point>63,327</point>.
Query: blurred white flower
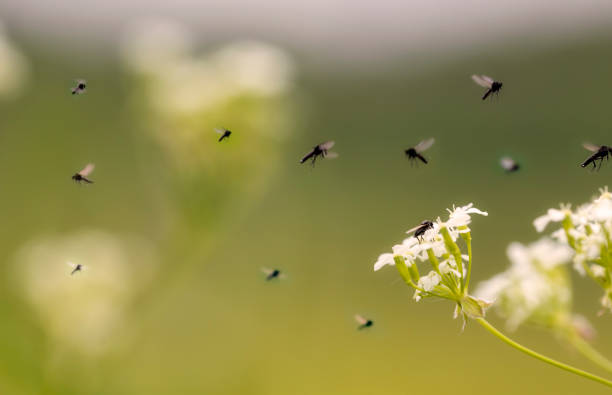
<point>535,288</point>
<point>429,281</point>
<point>13,66</point>
<point>383,260</point>
<point>552,215</point>
<point>86,311</point>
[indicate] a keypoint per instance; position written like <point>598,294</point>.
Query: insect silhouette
<point>419,231</point>
<point>224,133</point>
<point>321,150</point>
<point>80,88</point>
<point>415,152</point>
<point>509,164</point>
<point>487,82</point>
<point>83,174</point>
<point>599,154</point>
<point>76,267</point>
<point>272,273</point>
<point>363,322</point>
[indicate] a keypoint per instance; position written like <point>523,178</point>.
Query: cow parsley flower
<point>587,231</point>
<point>535,288</point>
<point>449,276</point>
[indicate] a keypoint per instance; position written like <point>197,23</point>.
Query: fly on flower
<point>509,164</point>
<point>321,150</point>
<point>76,267</point>
<point>363,322</point>
<point>81,86</point>
<point>489,83</point>
<point>600,152</point>
<point>83,174</point>
<point>419,231</point>
<point>272,273</point>
<point>225,133</point>
<point>415,152</point>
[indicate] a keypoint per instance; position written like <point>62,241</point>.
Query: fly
<point>489,83</point>
<point>224,133</point>
<point>599,154</point>
<point>509,164</point>
<point>80,88</point>
<point>321,150</point>
<point>363,322</point>
<point>272,273</point>
<point>419,231</point>
<point>83,174</point>
<point>415,152</point>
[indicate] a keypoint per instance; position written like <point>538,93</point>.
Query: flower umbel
<point>586,231</point>
<point>448,277</point>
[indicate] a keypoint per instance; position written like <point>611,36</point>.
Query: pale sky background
<point>342,29</point>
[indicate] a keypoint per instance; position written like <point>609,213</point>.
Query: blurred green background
<point>207,322</point>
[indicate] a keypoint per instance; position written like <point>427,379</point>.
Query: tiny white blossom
<point>552,215</point>
<point>383,260</point>
<point>460,216</point>
<point>429,281</point>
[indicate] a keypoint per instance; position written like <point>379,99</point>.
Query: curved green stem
<point>587,350</point>
<point>541,357</point>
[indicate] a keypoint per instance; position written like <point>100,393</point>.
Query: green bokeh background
<point>211,324</point>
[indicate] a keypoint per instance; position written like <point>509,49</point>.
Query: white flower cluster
<point>535,288</point>
<point>587,231</point>
<point>449,276</point>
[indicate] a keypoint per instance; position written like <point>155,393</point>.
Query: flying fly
<point>509,164</point>
<point>321,150</point>
<point>363,322</point>
<point>419,231</point>
<point>415,152</point>
<point>224,133</point>
<point>83,174</point>
<point>487,82</point>
<point>76,267</point>
<point>272,273</point>
<point>80,87</point>
<point>599,154</point>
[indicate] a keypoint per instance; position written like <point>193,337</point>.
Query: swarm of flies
<point>489,83</point>
<point>600,152</point>
<point>225,133</point>
<point>83,174</point>
<point>320,151</point>
<point>363,322</point>
<point>272,273</point>
<point>509,164</point>
<point>421,229</point>
<point>81,86</point>
<point>415,152</point>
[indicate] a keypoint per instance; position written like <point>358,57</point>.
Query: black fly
<point>83,174</point>
<point>363,322</point>
<point>321,150</point>
<point>419,231</point>
<point>599,154</point>
<point>509,164</point>
<point>224,133</point>
<point>79,88</point>
<point>76,267</point>
<point>272,273</point>
<point>487,82</point>
<point>415,152</point>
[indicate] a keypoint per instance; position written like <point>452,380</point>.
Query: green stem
<point>468,242</point>
<point>541,357</point>
<point>587,350</point>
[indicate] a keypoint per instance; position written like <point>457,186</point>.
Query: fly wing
<point>424,145</point>
<point>87,170</point>
<point>591,147</point>
<point>220,130</point>
<point>327,145</point>
<point>413,229</point>
<point>266,271</point>
<point>507,163</point>
<point>483,80</point>
<point>360,320</point>
<point>71,264</point>
<point>331,155</point>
